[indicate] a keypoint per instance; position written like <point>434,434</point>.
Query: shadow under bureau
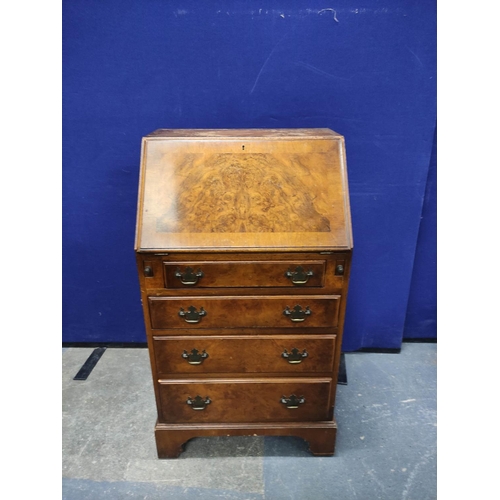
<point>243,247</point>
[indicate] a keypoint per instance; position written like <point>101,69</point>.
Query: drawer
<point>216,354</point>
<point>234,274</point>
<point>244,400</point>
<point>240,312</point>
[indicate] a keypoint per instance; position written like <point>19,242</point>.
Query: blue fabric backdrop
<point>421,315</point>
<point>365,69</point>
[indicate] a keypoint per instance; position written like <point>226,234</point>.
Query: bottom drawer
<point>243,400</point>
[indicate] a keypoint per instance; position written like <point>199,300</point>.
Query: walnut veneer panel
<point>244,400</point>
<point>241,312</point>
<point>293,354</point>
<point>237,274</point>
<point>221,193</point>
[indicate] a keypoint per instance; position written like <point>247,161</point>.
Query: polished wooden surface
<point>171,438</point>
<point>238,274</point>
<point>222,192</point>
<point>240,312</point>
<point>227,221</point>
<point>244,400</point>
<point>243,354</point>
<point>264,134</point>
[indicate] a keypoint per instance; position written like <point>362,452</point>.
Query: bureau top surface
<point>249,189</point>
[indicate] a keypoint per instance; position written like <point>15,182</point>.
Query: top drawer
<point>213,273</point>
<point>234,274</point>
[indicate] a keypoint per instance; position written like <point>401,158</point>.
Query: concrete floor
<point>386,442</point>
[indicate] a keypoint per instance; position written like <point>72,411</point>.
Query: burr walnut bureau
<point>243,248</point>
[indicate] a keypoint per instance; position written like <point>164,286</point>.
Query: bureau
<point>243,248</point>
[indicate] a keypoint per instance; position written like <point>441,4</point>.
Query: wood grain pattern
<point>232,273</point>
<point>241,312</point>
<point>171,438</point>
<point>263,134</point>
<point>243,354</point>
<point>237,274</point>
<point>241,208</point>
<point>232,193</point>
<point>254,193</point>
<point>242,400</point>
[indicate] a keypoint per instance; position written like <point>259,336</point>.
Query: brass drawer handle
<point>198,403</point>
<point>189,277</point>
<point>294,357</point>
<point>297,314</point>
<point>299,276</point>
<point>195,357</point>
<point>192,315</point>
<point>293,401</point>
